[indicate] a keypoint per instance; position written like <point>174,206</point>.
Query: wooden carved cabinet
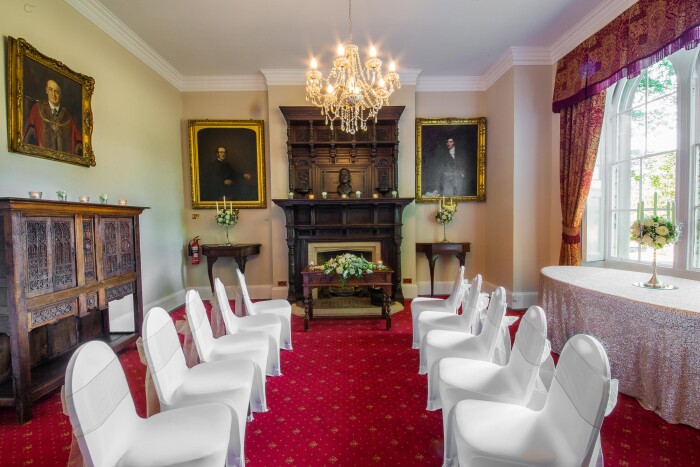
<point>61,263</point>
<point>316,153</point>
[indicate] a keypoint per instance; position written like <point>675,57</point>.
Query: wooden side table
<point>238,252</point>
<point>380,279</point>
<point>433,250</point>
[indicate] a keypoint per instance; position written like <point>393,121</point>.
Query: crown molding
<point>101,17</point>
<point>589,25</point>
<point>223,83</point>
<point>297,77</point>
<point>95,12</point>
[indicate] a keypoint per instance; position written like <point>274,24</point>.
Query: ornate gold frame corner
<point>477,143</point>
<point>229,130</point>
<point>17,51</point>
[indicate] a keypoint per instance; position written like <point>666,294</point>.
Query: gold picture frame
<point>455,169</point>
<point>238,174</point>
<point>49,110</point>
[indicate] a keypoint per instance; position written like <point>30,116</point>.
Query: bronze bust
<point>344,178</point>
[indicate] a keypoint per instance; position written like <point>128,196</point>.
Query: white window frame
<point>687,67</point>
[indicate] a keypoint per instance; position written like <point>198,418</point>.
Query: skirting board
<point>516,300</point>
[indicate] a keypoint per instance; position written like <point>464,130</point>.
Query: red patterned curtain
<point>645,33</point>
<point>580,127</point>
<point>642,35</point>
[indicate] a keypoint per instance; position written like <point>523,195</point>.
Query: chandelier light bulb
<point>372,52</point>
<point>313,63</point>
<point>392,66</point>
<point>341,50</point>
<point>329,89</point>
<point>381,82</point>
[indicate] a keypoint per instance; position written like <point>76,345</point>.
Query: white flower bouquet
<point>446,213</point>
<point>227,217</point>
<point>655,232</point>
<point>348,265</point>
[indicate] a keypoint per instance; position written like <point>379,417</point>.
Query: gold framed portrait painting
<point>49,110</point>
<point>450,159</point>
<point>227,161</point>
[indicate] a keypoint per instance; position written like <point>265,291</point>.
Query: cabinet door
<point>50,252</point>
<point>118,246</point>
<point>62,249</point>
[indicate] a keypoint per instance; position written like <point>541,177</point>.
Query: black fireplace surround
<point>342,220</point>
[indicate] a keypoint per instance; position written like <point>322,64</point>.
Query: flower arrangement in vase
<point>655,232</point>
<point>444,215</point>
<point>348,265</point>
<point>226,217</point>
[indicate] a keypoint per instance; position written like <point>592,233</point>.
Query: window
<point>649,154</point>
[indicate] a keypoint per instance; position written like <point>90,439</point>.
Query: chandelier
<point>352,93</point>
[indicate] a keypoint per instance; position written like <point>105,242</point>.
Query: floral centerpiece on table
<point>348,265</point>
<point>226,217</point>
<point>655,232</point>
<point>444,215</point>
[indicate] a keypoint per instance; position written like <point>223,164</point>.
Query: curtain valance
<point>642,35</point>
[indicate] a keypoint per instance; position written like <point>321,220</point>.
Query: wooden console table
<point>432,250</point>
<point>238,252</point>
<point>315,279</point>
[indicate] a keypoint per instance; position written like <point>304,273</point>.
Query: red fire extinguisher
<point>194,250</point>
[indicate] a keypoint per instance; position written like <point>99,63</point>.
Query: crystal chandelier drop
<point>352,93</point>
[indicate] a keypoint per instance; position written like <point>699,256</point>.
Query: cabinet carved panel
<point>63,254</point>
<point>37,256</point>
<point>89,250</point>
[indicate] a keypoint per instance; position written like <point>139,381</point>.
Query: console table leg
<point>386,309</point>
<point>308,311</point>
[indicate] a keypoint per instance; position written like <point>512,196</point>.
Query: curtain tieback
<point>571,235</point>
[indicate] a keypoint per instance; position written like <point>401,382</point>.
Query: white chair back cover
<point>486,339</point>
<point>470,301</point>
<point>99,403</point>
<point>164,356</point>
<point>579,395</point>
<point>455,298</point>
<point>199,324</point>
<point>244,290</point>
<point>526,356</point>
<point>230,319</point>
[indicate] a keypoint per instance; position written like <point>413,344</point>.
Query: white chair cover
<point>247,346</point>
<point>442,344</point>
<point>428,321</point>
<point>448,305</point>
<point>110,433</point>
<point>228,381</point>
<point>564,433</point>
<point>513,383</point>
<point>280,308</point>
<point>269,324</point>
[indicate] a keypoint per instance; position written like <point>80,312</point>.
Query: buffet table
<point>652,336</point>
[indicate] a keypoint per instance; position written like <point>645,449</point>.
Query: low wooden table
<point>314,279</point>
<point>432,250</point>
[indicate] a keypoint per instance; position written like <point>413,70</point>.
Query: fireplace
<point>371,225</point>
<point>319,252</point>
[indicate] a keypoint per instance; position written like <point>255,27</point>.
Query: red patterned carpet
<point>350,395</point>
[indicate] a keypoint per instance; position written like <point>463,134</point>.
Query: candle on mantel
<point>375,196</point>
<point>343,196</point>
<point>312,264</point>
<point>84,199</point>
<point>380,262</point>
<point>122,202</point>
<point>311,196</point>
<point>656,202</point>
<point>217,206</point>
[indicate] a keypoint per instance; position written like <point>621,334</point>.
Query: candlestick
<point>375,195</point>
<point>668,209</point>
<point>311,196</point>
<point>343,196</point>
<point>673,213</point>
<point>224,201</point>
<point>641,203</point>
<point>656,201</point>
<point>217,206</point>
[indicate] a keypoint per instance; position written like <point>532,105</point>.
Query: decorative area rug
<point>350,395</point>
<point>348,306</point>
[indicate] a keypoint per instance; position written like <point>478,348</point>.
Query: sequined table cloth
<point>652,336</point>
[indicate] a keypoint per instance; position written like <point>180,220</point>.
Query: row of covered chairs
<point>516,410</point>
<point>204,408</point>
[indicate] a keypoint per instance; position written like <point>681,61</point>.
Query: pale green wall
<point>136,137</point>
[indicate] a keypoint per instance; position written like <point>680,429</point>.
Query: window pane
<point>661,79</point>
<point>661,124</point>
<point>622,247</point>
<point>639,96</point>
<point>632,134</point>
<point>625,184</point>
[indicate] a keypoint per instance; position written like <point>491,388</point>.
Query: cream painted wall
<point>500,176</point>
<point>469,224</point>
<point>254,224</point>
<point>136,138</point>
<point>531,186</point>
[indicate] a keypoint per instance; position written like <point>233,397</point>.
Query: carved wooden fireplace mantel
<point>342,220</point>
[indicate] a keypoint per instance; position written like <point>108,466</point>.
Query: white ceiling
<point>444,40</point>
